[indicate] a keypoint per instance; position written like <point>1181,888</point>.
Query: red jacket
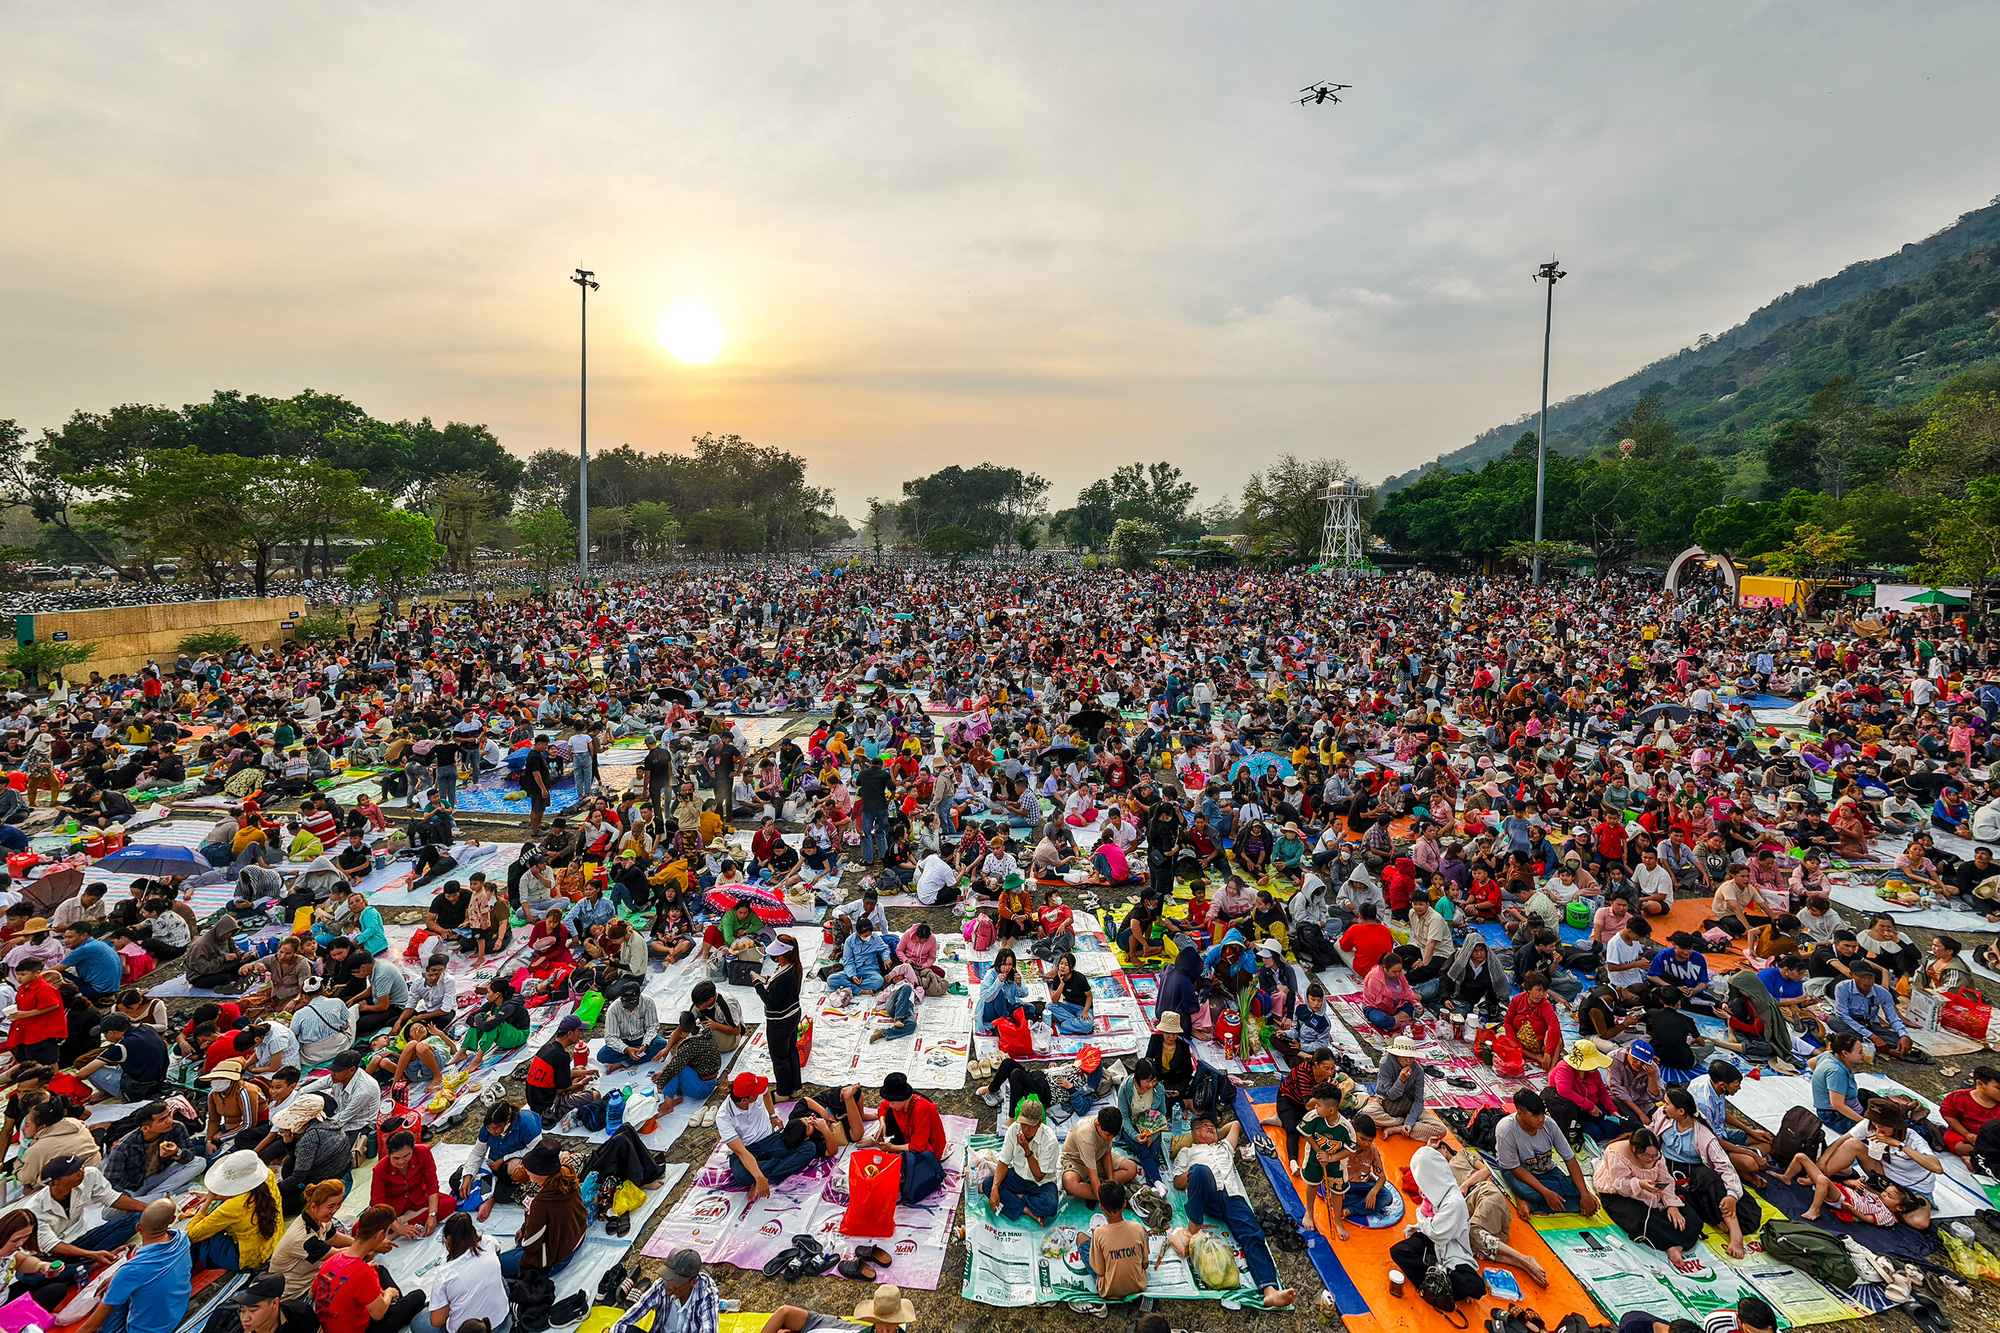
<point>406,1191</point>
<point>919,1126</point>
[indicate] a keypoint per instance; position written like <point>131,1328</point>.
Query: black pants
<point>1019,1081</point>
<point>1290,1113</point>
<point>782,1035</point>
<point>1702,1193</point>
<point>1163,878</point>
<point>401,1311</point>
<point>376,1021</point>
<point>221,976</point>
<point>1652,1225</point>
<point>946,896</point>
<point>1413,1257</point>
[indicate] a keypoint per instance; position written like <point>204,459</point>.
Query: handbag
<point>1966,1012</point>
<point>1441,1295</point>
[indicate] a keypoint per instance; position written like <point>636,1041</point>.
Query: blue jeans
<point>1557,1183</point>
<point>1071,1019</point>
<point>217,1251</point>
<point>874,834</point>
<point>902,1012</point>
<point>447,783</point>
<point>689,1085</point>
<point>869,981</point>
<point>1147,1155</point>
<point>510,1263</point>
<point>1354,1200</point>
<point>615,1055</point>
<point>997,1007</point>
<point>620,899</point>
<point>1020,1194</point>
<point>775,1160</point>
<point>1206,1200</point>
<point>1386,1021</point>
<point>922,1174</point>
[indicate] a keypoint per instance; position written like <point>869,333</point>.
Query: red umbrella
<point>768,904</point>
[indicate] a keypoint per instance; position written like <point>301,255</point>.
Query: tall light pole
<point>586,283</point>
<point>1550,274</point>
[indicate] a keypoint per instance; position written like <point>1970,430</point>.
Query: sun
<point>691,333</point>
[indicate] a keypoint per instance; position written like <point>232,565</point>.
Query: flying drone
<point>1318,93</point>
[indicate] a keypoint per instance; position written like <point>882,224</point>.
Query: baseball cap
<point>259,1290</point>
<point>748,1085</point>
<point>1641,1051</point>
<point>570,1024</point>
<point>58,1167</point>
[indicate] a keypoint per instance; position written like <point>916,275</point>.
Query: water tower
<point>1340,538</point>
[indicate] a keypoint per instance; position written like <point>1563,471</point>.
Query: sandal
<point>778,1263</point>
<point>1262,1143</point>
<point>855,1270</point>
<point>873,1254</point>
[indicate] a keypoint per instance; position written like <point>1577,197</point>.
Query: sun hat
<point>1169,1022</point>
<point>887,1306</point>
<point>229,1070</point>
<point>896,1087</point>
<point>1404,1046</point>
<point>303,1111</point>
<point>1584,1057</point>
<point>238,1173</point>
<point>544,1159</point>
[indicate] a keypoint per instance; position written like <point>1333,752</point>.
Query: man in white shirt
<point>63,1204</point>
<point>1625,954</point>
<point>937,882</point>
<point>748,1125</point>
<point>354,1097</point>
<point>1206,1170</point>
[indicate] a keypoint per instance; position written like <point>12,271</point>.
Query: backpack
<point>1801,1131</point>
<point>1481,1132</point>
<point>1814,1252</point>
<point>979,932</point>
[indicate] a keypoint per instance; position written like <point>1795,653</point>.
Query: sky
<point>1055,236</point>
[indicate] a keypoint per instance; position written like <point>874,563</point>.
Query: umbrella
<point>1090,721</point>
<point>1935,597</point>
<point>1865,590</point>
<point>1062,747</point>
<point>768,904</point>
<point>155,858</point>
<point>1672,712</point>
<point>1260,764</point>
<point>679,696</point>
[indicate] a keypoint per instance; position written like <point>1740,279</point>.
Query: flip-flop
<point>873,1254</point>
<point>779,1262</point>
<point>808,1246</point>
<point>1926,1314</point>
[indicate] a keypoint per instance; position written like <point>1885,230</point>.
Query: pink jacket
<point>1619,1172</point>
<point>1378,993</point>
<point>916,952</point>
<point>1586,1090</point>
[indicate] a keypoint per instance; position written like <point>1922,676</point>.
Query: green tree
<point>987,499</point>
<point>1551,554</point>
<point>1284,506</point>
<point>548,537</point>
<point>1811,552</point>
<point>1027,537</point>
<point>210,643</point>
<point>60,546</point>
<point>182,503</point>
<point>403,549</point>
<point>727,530</point>
<point>954,543</point>
<point>1958,444</point>
<point>459,449</point>
<point>1961,545</point>
<point>607,529</point>
<point>1134,543</point>
<point>653,527</point>
<point>464,504</point>
<point>323,626</point>
<point>45,657</point>
<point>1154,493</point>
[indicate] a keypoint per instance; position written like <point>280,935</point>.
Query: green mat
<point>1020,1263</point>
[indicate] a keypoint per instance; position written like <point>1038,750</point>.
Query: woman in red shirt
<point>407,1181</point>
<point>911,1126</point>
<point>1531,1020</point>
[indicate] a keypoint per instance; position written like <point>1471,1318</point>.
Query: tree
<point>1645,502</point>
<point>1549,553</point>
<point>1133,543</point>
<point>1284,506</point>
<point>1152,493</point>
<point>319,627</point>
<point>459,449</point>
<point>607,528</point>
<point>1811,550</point>
<point>210,643</point>
<point>986,499</point>
<point>463,503</point>
<point>46,657</point>
<point>181,503</point>
<point>652,526</point>
<point>1958,444</point>
<point>37,479</point>
<point>1961,546</point>
<point>1027,537</point>
<point>954,542</point>
<point>404,549</point>
<point>548,537</point>
<point>731,530</point>
<point>61,546</point>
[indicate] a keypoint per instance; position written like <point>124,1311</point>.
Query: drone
<point>1317,93</point>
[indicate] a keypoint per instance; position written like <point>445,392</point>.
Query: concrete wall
<point>127,637</point>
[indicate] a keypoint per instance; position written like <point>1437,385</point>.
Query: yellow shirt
<point>238,1217</point>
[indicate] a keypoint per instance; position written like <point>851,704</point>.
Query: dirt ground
<point>945,1308</point>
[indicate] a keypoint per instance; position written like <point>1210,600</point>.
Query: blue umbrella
<point>1262,763</point>
<point>155,858</point>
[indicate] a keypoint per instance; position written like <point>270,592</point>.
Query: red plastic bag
<point>1508,1059</point>
<point>874,1187</point>
<point>417,942</point>
<point>1013,1035</point>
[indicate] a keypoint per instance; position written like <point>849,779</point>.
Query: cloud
<point>1050,235</point>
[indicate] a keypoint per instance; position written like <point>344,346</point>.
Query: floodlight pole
<point>1551,274</point>
<point>586,283</point>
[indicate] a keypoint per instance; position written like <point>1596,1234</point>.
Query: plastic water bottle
<point>614,1111</point>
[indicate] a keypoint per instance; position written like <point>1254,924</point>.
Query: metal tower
<point>1340,539</point>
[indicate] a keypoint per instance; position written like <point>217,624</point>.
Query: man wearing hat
<point>554,1086</point>
<point>352,1096</point>
<point>632,1029</point>
<point>748,1125</point>
<point>683,1300</point>
<point>260,1307</point>
<point>69,1190</point>
<point>911,1126</point>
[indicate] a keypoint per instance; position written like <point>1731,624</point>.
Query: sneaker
<point>992,1098</point>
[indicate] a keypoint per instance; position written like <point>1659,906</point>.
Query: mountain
<point>1900,325</point>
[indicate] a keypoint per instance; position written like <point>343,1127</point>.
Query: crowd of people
<point>1247,778</point>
